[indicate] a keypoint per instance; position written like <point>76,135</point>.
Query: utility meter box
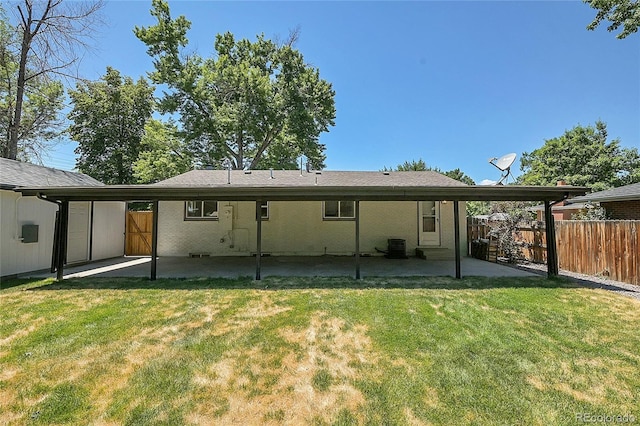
<point>30,233</point>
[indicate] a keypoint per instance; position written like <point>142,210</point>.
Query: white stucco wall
<point>296,228</point>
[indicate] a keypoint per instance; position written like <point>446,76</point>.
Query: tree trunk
<point>240,154</point>
<point>14,128</point>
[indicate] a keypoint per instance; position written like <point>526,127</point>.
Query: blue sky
<point>453,83</point>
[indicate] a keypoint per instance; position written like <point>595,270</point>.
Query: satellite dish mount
<point>504,165</point>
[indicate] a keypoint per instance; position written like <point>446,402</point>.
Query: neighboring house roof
<point>293,178</point>
<point>622,193</point>
<point>18,174</point>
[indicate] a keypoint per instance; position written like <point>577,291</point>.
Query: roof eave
<point>306,193</point>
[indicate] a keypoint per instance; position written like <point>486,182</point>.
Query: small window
<point>264,210</point>
<point>201,210</point>
<point>339,210</point>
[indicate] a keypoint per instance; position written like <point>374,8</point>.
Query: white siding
<point>296,228</point>
<point>78,232</point>
<point>108,229</point>
<point>15,256</point>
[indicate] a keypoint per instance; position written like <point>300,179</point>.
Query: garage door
<point>78,236</point>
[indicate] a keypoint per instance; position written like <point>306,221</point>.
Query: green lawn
<point>316,351</point>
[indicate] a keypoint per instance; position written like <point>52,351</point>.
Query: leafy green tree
<point>412,166</point>
<point>590,212</point>
<point>473,207</point>
<point>583,157</point>
<point>620,13</point>
<point>43,45</point>
<point>459,175</point>
<point>421,166</point>
<point>108,119</point>
<point>256,103</point>
<point>162,153</point>
<point>42,100</point>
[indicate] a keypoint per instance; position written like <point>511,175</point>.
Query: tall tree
<point>108,119</point>
<point>48,37</point>
<point>256,103</point>
<point>619,13</point>
<point>473,207</point>
<point>459,175</point>
<point>413,166</point>
<point>162,153</point>
<point>582,156</point>
<point>421,166</point>
<point>42,101</point>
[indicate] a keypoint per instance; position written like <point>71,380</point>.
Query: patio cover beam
<point>456,235</point>
<point>550,233</point>
<point>357,224</point>
<point>63,229</point>
<point>305,193</point>
<point>258,239</point>
<point>154,241</point>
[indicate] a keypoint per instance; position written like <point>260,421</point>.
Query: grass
<point>315,351</point>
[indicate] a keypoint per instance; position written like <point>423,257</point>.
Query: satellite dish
<point>504,165</point>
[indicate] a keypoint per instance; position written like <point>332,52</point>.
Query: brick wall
<point>623,210</point>
<point>297,228</point>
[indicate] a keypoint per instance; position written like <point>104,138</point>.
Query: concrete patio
<point>307,266</point>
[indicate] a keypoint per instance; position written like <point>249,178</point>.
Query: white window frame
<point>201,209</point>
<point>340,216</point>
<point>264,207</point>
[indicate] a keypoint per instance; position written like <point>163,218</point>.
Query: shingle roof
<point>15,173</point>
<point>293,178</point>
<point>569,206</point>
<point>622,193</point>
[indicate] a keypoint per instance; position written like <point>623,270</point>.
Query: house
<point>622,203</point>
<point>267,212</point>
<point>96,230</point>
<point>305,228</point>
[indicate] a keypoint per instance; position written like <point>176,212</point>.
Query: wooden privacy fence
<point>608,248</point>
<point>138,233</point>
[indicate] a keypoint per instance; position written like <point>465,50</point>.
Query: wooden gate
<point>138,233</point>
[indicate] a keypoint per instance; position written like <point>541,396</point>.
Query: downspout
<point>56,232</point>
<point>16,235</point>
<point>91,233</point>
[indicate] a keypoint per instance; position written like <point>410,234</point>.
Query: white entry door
<point>429,222</point>
<point>78,235</point>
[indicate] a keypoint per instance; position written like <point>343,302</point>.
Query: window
<point>201,210</point>
<point>339,210</point>
<point>264,210</point>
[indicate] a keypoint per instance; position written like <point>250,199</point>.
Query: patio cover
<point>293,185</point>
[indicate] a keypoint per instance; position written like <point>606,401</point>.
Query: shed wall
<point>15,256</point>
<point>108,229</point>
